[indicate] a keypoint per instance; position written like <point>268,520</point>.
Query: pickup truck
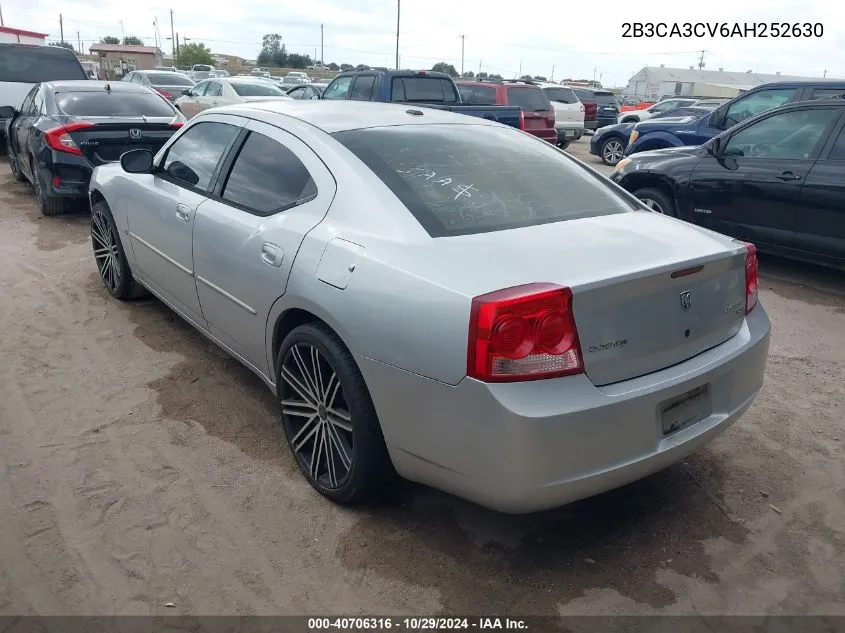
<point>418,87</point>
<point>676,132</point>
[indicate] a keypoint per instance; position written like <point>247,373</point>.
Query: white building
<point>9,35</point>
<point>654,83</point>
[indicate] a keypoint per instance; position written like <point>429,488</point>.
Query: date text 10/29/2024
<point>723,29</point>
<point>417,623</point>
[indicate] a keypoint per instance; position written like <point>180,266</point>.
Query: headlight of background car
<point>621,164</point>
<point>633,137</point>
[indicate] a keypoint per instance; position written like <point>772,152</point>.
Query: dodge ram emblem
<point>686,300</point>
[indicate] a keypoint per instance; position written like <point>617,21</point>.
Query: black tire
<point>563,144</point>
<point>112,265</point>
<point>15,169</point>
<point>49,205</point>
<point>661,201</point>
<point>370,476</point>
<point>611,151</point>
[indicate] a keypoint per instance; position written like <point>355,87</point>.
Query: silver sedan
<point>438,296</point>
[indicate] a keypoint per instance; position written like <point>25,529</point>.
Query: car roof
<point>338,116</point>
<point>91,85</point>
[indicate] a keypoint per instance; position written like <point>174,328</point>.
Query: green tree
<point>495,76</point>
<point>273,52</point>
<point>362,67</point>
<point>540,78</point>
<point>482,75</point>
<point>469,74</point>
<point>66,45</point>
<point>526,77</point>
<point>110,39</point>
<point>195,53</point>
<point>333,66</point>
<point>295,60</point>
<point>131,40</point>
<point>443,67</point>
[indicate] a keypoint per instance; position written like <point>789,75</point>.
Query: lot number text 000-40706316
<point>723,29</point>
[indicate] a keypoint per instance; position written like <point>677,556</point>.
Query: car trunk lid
<point>105,140</point>
<point>648,291</point>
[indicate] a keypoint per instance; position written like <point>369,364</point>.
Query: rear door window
<point>477,95</point>
<point>462,179</point>
<point>192,160</point>
<point>34,64</point>
<point>827,93</point>
<point>267,177</point>
<point>114,103</point>
<point>362,88</point>
<point>790,135</point>
<point>529,98</point>
<point>214,89</point>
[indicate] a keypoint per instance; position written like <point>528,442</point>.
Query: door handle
<point>788,175</point>
<point>183,212</point>
<point>272,254</point>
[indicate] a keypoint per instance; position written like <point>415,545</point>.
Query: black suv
<point>607,107</point>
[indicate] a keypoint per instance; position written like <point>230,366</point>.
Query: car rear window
<point>35,64</point>
<point>202,67</point>
<point>423,90</point>
<point>113,103</point>
<point>257,89</point>
<point>169,79</point>
<point>529,98</point>
<point>561,95</point>
<point>606,98</point>
<point>477,94</point>
<point>463,179</point>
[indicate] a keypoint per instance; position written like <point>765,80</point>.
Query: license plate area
<point>683,411</point>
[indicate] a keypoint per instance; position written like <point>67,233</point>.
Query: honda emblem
<point>686,300</point>
<point>135,134</point>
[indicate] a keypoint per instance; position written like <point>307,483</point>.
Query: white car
<point>667,105</point>
<point>225,91</point>
<point>569,113</point>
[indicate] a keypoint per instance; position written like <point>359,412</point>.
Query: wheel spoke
<point>317,453</point>
<point>345,459</point>
<point>302,436</point>
<point>298,408</point>
<point>318,374</point>
<point>100,253</point>
<point>330,455</point>
<point>340,419</point>
<point>300,364</point>
<point>297,386</point>
<point>331,390</point>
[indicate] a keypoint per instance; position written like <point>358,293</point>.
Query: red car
<point>537,111</point>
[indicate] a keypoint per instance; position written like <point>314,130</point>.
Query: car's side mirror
<point>137,161</point>
<point>8,112</point>
<point>186,92</point>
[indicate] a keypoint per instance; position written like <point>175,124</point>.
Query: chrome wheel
<point>106,252</point>
<point>612,152</point>
<point>653,205</point>
<point>316,415</point>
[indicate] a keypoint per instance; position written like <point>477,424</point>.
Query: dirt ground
<point>142,466</point>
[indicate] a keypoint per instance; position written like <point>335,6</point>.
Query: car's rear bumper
<point>529,446</point>
<point>547,134</point>
<point>67,176</point>
<point>569,131</point>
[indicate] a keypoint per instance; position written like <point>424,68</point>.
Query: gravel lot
<point>142,466</point>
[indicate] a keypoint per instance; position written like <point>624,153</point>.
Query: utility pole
<point>1,16</point>
<point>177,48</point>
<point>463,41</point>
<point>172,36</point>
<point>322,54</point>
<point>398,6</point>
<point>520,71</point>
<point>62,28</point>
<point>79,42</point>
<point>701,59</point>
<point>479,66</point>
<point>595,69</point>
<point>552,77</point>
<point>825,75</point>
<point>122,32</point>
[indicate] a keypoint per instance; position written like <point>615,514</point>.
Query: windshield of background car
<point>35,64</point>
<point>102,103</point>
<point>463,179</point>
<point>169,79</point>
<point>202,68</point>
<point>257,89</point>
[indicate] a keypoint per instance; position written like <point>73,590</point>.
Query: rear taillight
<point>164,93</point>
<point>521,120</point>
<point>523,333</point>
<point>58,138</point>
<point>176,124</point>
<point>751,284</point>
<point>582,107</point>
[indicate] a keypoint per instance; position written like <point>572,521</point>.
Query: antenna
<point>701,59</point>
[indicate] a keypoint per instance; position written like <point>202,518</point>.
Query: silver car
<point>438,296</point>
